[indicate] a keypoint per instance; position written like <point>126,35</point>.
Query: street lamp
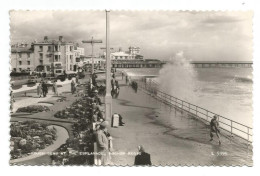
<point>92,42</point>
<point>108,98</point>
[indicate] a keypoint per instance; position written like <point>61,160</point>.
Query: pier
<point>222,64</point>
<point>154,63</point>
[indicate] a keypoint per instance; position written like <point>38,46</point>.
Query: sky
<point>199,35</point>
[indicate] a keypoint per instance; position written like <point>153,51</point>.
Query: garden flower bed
<point>77,150</point>
<point>30,136</point>
<point>79,109</point>
<point>33,109</point>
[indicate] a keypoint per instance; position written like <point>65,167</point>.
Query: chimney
<point>45,38</point>
<point>60,38</point>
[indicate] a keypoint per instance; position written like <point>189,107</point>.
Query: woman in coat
<point>73,87</point>
<point>39,90</point>
<point>54,87</point>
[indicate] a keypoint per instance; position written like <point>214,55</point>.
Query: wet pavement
<point>170,136</point>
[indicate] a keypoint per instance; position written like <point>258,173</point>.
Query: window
<point>49,48</point>
<point>28,63</point>
<point>20,69</point>
<point>41,48</point>
<point>56,58</point>
<point>58,71</point>
<point>41,62</point>
<point>28,55</point>
<point>41,56</point>
<point>20,62</point>
<point>49,55</point>
<point>20,55</point>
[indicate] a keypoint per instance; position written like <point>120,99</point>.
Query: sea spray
<point>178,78</point>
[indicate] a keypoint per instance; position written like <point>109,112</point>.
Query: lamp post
<point>92,42</point>
<point>108,98</point>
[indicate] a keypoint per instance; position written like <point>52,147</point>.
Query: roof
<point>50,42</point>
<point>22,50</point>
<point>120,54</point>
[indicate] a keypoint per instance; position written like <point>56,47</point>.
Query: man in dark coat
<point>143,158</point>
<point>44,89</point>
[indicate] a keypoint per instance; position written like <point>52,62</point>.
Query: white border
<point>133,5</point>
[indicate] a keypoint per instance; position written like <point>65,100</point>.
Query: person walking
<point>102,139</point>
<point>143,158</point>
<point>112,87</point>
<point>73,86</point>
<point>126,80</point>
<point>214,128</point>
<point>116,88</point>
<point>94,77</point>
<point>39,90</point>
<point>55,88</point>
<point>44,89</point>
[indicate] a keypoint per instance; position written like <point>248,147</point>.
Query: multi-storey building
<point>49,56</point>
<point>22,58</point>
<point>134,50</point>
<point>55,56</point>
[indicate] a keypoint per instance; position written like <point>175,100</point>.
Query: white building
<point>78,54</point>
<point>131,54</point>
<point>121,56</point>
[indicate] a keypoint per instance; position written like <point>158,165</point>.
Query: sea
<point>224,91</point>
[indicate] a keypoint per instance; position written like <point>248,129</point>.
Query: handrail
<point>196,110</point>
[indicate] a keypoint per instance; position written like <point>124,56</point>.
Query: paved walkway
<point>169,136</point>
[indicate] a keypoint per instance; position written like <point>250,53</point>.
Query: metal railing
<point>231,126</point>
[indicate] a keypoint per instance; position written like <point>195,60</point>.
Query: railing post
<point>196,111</point>
<point>247,134</point>
<point>207,115</point>
<point>231,126</point>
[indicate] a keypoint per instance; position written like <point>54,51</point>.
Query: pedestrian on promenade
<point>112,87</point>
<point>142,158</point>
<point>116,93</point>
<point>44,89</point>
<point>77,79</point>
<point>126,79</point>
<point>214,128</point>
<point>39,90</point>
<point>122,75</point>
<point>102,139</point>
<point>55,88</point>
<point>94,77</point>
<point>73,87</point>
<point>94,95</point>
